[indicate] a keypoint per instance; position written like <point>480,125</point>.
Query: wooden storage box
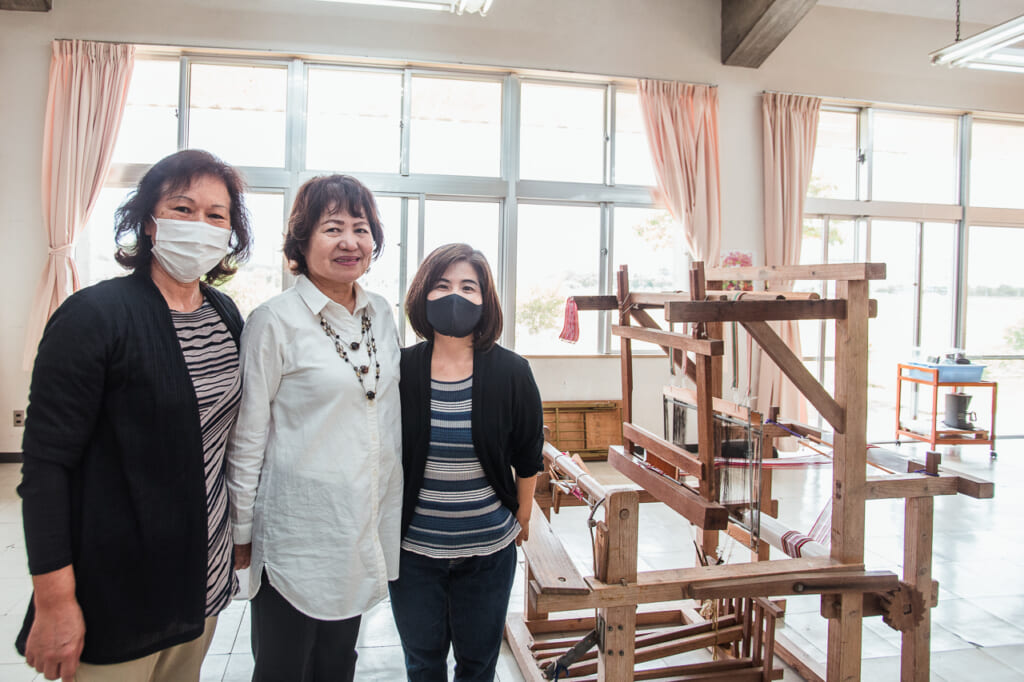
<point>586,427</point>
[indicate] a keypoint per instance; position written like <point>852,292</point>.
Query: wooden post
<point>917,571</point>
<point>709,386</point>
<point>616,658</point>
<point>848,477</point>
<point>626,352</point>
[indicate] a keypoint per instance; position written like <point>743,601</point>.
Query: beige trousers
<point>180,663</point>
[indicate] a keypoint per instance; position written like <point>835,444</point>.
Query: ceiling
<point>988,12</point>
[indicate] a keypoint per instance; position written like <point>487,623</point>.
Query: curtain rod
<point>335,58</point>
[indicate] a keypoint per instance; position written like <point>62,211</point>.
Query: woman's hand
<point>525,488</point>
<point>57,636</point>
<point>523,517</point>
<point>243,556</point>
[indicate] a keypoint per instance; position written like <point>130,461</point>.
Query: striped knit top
<point>458,513</point>
<point>212,358</point>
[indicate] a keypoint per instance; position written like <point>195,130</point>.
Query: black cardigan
<point>507,421</point>
<point>113,480</point>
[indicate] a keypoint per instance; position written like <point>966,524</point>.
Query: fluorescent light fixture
<point>988,50</point>
<point>457,6</point>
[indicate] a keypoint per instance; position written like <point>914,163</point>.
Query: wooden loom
<point>742,633</point>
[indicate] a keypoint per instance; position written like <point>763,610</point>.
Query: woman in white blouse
<point>314,467</point>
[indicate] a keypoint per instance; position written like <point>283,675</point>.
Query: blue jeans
<point>452,602</point>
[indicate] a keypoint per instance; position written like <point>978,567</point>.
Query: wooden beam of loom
<point>678,340</point>
<point>729,409</point>
<point>978,488</point>
<point>550,565</point>
<point>909,485</point>
<point>564,463</point>
<point>694,508</point>
<point>673,454</point>
<point>760,578</point>
<point>679,358</point>
<point>745,311</point>
<point>795,371</point>
<point>839,272</point>
<point>596,302</point>
<point>639,299</point>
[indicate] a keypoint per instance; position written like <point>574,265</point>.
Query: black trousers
<point>289,646</point>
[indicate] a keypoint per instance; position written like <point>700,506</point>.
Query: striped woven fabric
<point>458,513</point>
<point>571,325</point>
<point>212,358</point>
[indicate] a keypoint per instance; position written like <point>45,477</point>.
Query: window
<point>559,255</point>
<point>915,158</point>
<point>562,134</point>
<point>995,314</point>
<point>354,120</point>
<point>643,240</point>
<point>149,127</point>
<point>455,127</point>
<point>261,278</point>
<point>633,164</point>
<point>996,151</point>
<point>95,248</point>
<point>834,175</point>
<point>433,146</point>
<point>238,113</point>
<point>474,223</point>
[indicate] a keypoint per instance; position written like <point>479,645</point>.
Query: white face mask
<point>188,249</point>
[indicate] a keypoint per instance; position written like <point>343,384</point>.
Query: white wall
<point>833,52</point>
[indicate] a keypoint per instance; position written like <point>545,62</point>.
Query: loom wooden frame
<point>848,592</point>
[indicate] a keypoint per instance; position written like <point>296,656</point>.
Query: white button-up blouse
<point>314,467</point>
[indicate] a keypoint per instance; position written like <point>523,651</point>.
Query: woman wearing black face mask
<point>471,414</point>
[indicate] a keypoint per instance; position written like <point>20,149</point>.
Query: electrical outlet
<point>19,417</point>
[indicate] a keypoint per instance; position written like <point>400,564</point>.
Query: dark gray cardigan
<point>113,480</point>
<point>507,421</point>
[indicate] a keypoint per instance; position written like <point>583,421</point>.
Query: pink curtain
<point>88,89</point>
<point>681,121</point>
<point>790,133</point>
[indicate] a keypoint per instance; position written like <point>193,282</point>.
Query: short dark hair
<point>432,269</point>
<point>170,174</point>
<point>322,195</point>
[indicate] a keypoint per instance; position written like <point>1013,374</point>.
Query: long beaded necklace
<point>371,349</point>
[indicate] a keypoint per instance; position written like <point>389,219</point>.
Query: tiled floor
<point>977,630</point>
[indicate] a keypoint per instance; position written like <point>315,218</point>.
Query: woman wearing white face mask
<point>314,464</point>
<point>135,388</point>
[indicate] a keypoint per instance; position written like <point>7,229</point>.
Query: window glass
<point>938,264</point>
<point>354,120</point>
<point>149,128</point>
<point>996,151</point>
<point>562,134</point>
<point>834,175</point>
<point>558,256</point>
<point>238,113</point>
<point>471,222</point>
<point>995,291</point>
<point>915,158</point>
<point>383,275</point>
<point>633,164</point>
<point>95,247</point>
<point>261,277</point>
<point>812,252</point>
<point>644,242</point>
<point>455,127</point>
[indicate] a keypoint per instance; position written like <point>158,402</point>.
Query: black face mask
<point>453,315</point>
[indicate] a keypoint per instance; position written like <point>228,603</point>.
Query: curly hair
<point>171,174</point>
<point>320,196</point>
